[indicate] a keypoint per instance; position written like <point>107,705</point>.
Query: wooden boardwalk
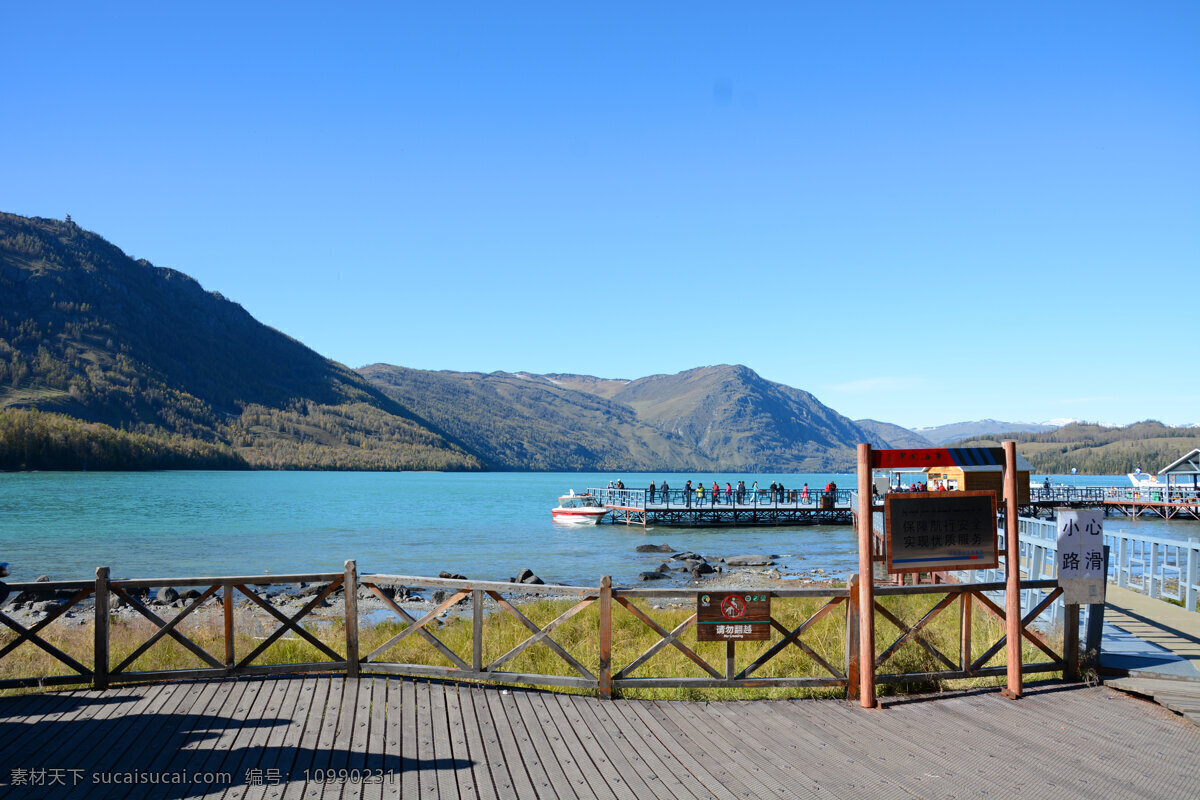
<point>277,737</point>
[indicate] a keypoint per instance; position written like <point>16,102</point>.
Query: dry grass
<point>578,636</point>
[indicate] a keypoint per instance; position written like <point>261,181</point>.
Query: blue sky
<point>920,212</point>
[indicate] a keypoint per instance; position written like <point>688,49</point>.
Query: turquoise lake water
<point>486,526</point>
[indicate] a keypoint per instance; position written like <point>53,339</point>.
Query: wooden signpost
<point>922,555</point>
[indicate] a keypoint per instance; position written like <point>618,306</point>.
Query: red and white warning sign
<point>733,616</point>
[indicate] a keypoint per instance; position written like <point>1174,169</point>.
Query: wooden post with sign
<point>866,584</point>
<point>1012,567</point>
<point>926,542</point>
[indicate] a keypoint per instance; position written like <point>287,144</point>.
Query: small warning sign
<point>733,616</point>
<point>1081,555</point>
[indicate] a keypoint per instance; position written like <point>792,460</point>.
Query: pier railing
<point>575,637</point>
<point>1164,493</point>
<point>679,498</point>
<point>1166,569</point>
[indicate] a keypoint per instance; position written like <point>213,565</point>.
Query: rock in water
<point>655,548</point>
<point>749,561</point>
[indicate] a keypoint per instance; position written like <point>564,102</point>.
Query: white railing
<point>1165,569</point>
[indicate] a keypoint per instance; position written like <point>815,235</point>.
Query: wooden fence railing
<point>599,663</point>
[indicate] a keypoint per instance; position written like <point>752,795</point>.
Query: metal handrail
<point>678,498</point>
<point>1163,493</point>
<point>1165,569</point>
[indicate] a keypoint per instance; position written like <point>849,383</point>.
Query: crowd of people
<point>699,494</point>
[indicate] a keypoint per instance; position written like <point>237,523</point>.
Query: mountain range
<point>111,362</point>
<point>720,417</point>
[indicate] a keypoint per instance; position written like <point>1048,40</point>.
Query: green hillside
<point>526,422</point>
<point>743,421</point>
<point>1097,450</point>
<point>724,417</point>
<point>90,333</point>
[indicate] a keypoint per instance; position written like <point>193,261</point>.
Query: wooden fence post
<point>1071,642</point>
<point>605,680</point>
<point>100,647</point>
<point>227,605</point>
<point>477,629</point>
<point>1095,626</point>
<point>966,612</point>
<point>866,583</point>
<point>350,594</point>
<point>852,687</point>
<point>1012,593</point>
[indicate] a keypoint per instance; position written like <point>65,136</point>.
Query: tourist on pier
<point>687,494</point>
<point>741,492</point>
<point>781,494</point>
<point>754,491</point>
<point>774,487</point>
<point>728,493</point>
<point>804,494</point>
<point>651,491</point>
<point>699,493</point>
<point>664,489</point>
<point>716,493</point>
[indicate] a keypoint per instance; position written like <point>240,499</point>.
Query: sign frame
<point>990,552</point>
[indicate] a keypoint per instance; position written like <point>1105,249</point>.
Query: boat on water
<point>1143,480</point>
<point>579,509</point>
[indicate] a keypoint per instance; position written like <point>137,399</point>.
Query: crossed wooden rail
<point>603,677</point>
<point>968,666</point>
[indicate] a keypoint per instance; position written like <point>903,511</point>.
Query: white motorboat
<point>579,509</point>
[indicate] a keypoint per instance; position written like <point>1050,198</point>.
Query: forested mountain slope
<point>92,334</point>
<point>723,417</point>
<point>1099,450</point>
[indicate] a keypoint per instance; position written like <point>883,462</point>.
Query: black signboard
<point>733,616</point>
<point>935,531</point>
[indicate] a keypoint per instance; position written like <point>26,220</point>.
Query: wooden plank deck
<point>1156,621</point>
<point>292,737</point>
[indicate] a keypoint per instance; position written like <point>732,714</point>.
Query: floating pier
<point>1122,501</point>
<point>681,509</point>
